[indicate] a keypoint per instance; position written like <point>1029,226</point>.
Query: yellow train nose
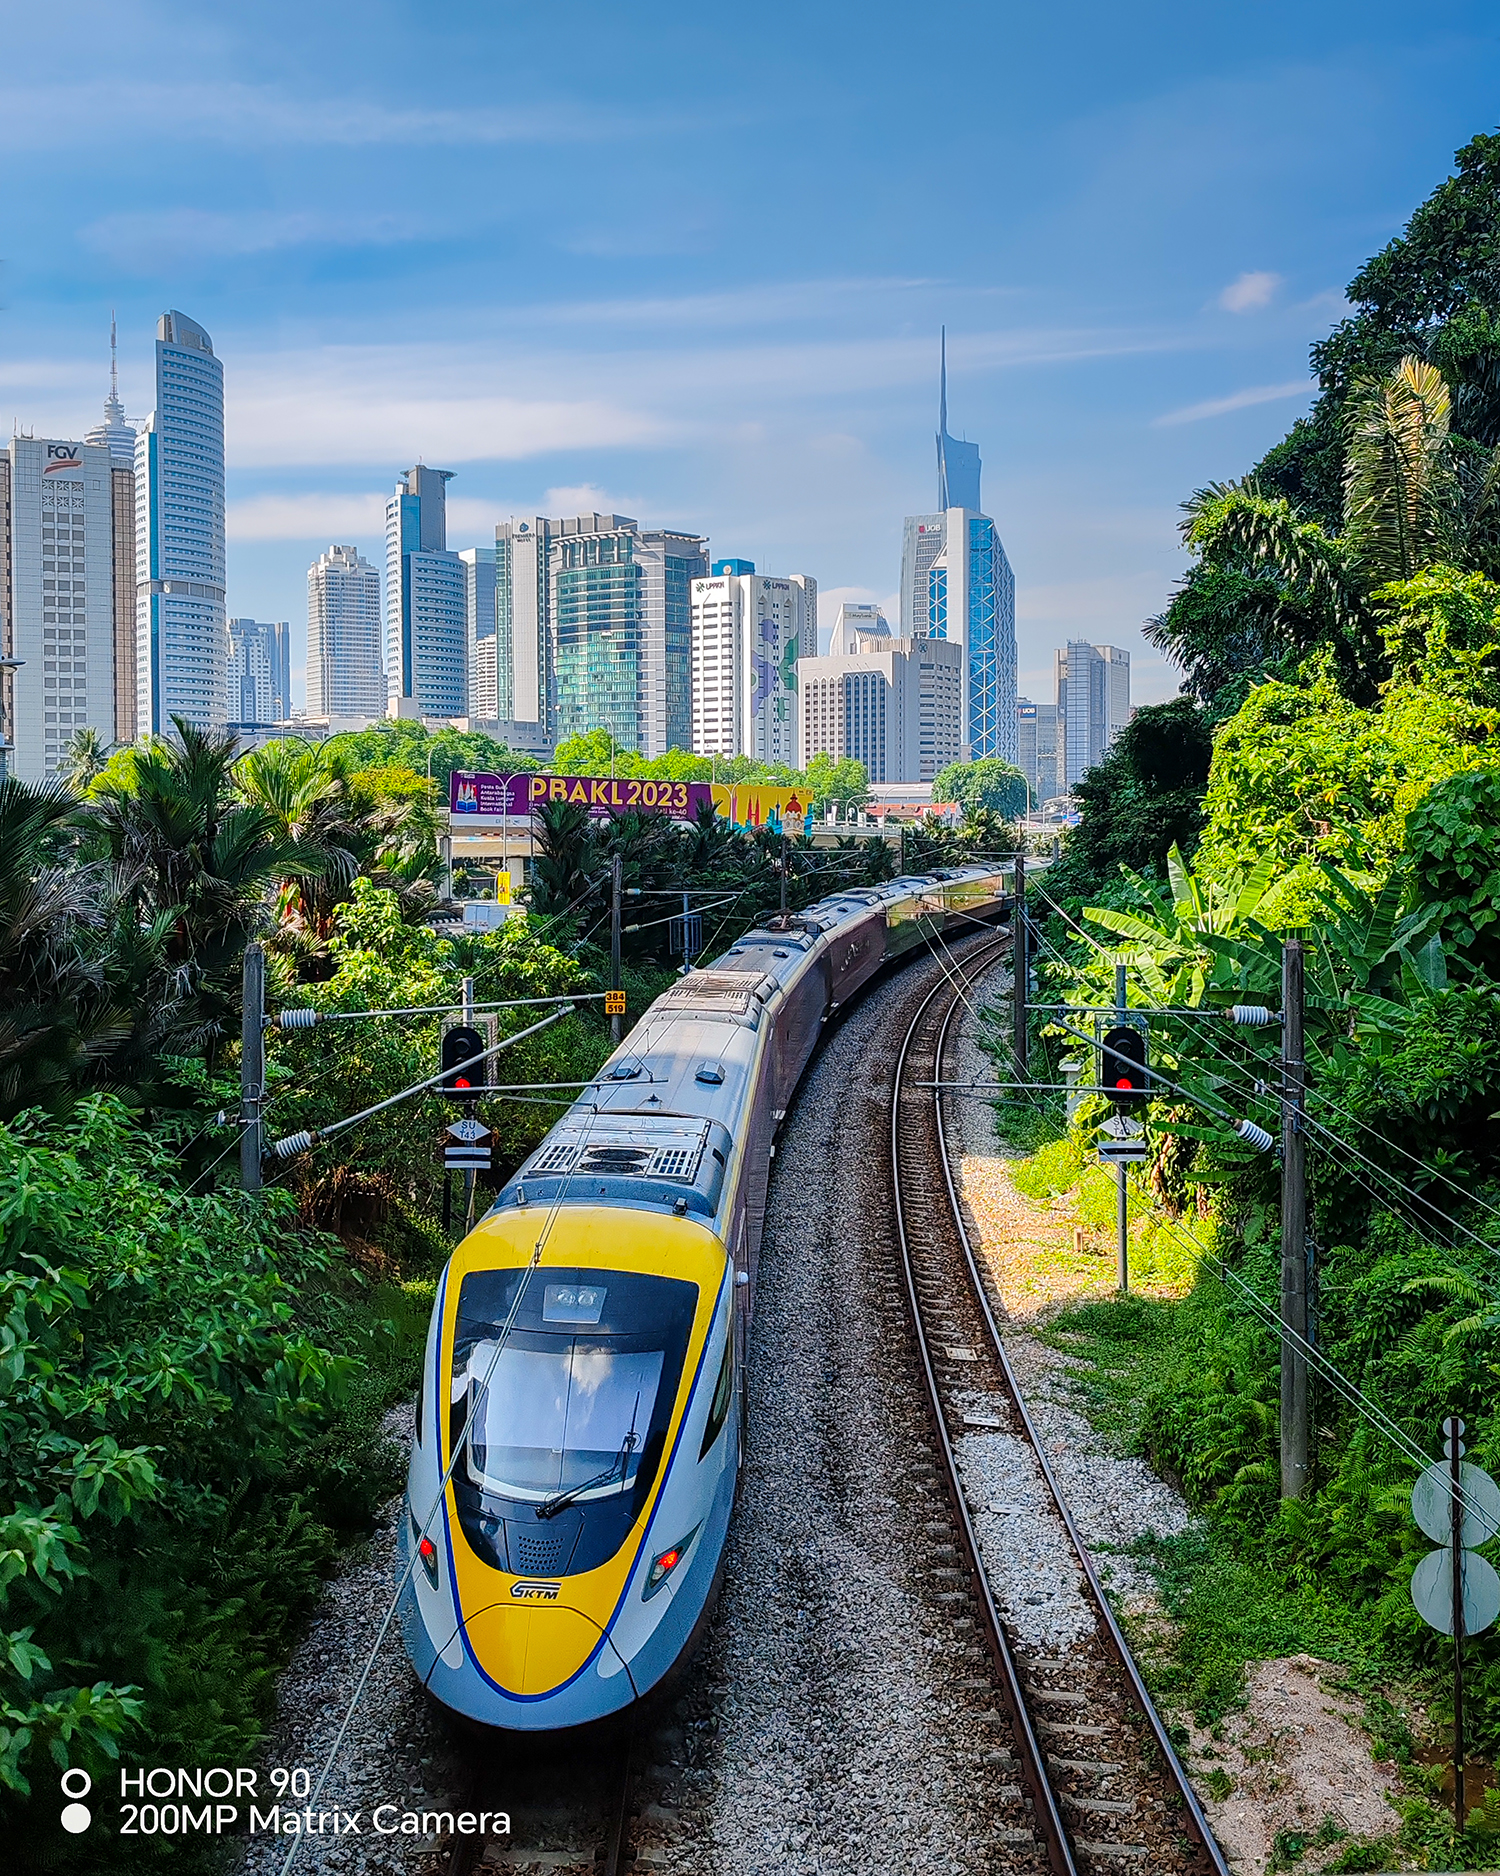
<point>532,1646</point>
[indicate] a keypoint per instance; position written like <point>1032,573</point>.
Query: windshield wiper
<point>559,1501</point>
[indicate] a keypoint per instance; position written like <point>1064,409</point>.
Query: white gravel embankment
<point>840,1742</point>
<point>822,1730</point>
<point>1114,1501</point>
<point>394,1752</point>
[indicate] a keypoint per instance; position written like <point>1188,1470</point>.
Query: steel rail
<point>1044,1802</point>
<point>1112,1631</point>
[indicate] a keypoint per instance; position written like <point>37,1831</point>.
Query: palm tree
<point>84,757</point>
<point>189,852</point>
<point>61,1007</point>
<point>1270,586</point>
<point>304,788</point>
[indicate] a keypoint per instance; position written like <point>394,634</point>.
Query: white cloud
<point>317,516</point>
<point>152,240</point>
<point>586,498</point>
<point>394,406</point>
<point>266,114</point>
<point>1237,400</point>
<point>1249,293</point>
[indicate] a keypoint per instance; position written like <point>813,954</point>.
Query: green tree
<point>155,1380</point>
<point>1143,799</point>
<point>989,783</point>
<point>406,744</point>
<point>84,757</point>
<point>196,860</point>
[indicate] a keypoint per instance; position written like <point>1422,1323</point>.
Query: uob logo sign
<point>62,457</point>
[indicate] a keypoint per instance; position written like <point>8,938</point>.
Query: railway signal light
<point>461,1044</point>
<point>1122,1072</point>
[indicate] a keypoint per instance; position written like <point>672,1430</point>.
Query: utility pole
<point>468,1170</point>
<point>1454,1428</point>
<point>252,1064</point>
<point>1122,1258</point>
<point>1294,1442</point>
<point>1020,966</point>
<point>616,882</point>
<point>783,882</point>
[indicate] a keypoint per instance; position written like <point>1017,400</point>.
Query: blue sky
<point>689,262</point>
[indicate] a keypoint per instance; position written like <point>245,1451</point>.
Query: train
<point>580,1420</point>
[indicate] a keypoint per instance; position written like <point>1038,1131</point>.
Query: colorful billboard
<point>483,797</point>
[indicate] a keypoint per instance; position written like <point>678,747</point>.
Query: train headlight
<point>426,1552</point>
<point>663,1566</point>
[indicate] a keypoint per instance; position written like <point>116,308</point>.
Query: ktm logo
<point>534,1592</point>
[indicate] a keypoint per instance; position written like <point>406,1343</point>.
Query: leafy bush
<point>169,1477</point>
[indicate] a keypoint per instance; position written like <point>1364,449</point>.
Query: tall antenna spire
<point>943,382</point>
<point>114,365</point>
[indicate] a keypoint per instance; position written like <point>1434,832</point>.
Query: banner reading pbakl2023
<point>485,797</point>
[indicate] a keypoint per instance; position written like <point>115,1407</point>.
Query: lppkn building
<point>957,584</point>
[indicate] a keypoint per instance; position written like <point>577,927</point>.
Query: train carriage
<point>579,1424</point>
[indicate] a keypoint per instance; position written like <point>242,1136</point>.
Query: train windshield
<point>561,1395</point>
<point>568,1418</point>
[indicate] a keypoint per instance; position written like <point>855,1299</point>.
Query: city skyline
<point>589,360</point>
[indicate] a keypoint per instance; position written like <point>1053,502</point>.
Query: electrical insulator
<point>292,1145</point>
<point>462,1044</point>
<point>1253,1015</point>
<point>296,1019</point>
<point>1254,1136</point>
<point>1122,1068</point>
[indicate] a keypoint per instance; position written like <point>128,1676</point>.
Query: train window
<point>573,1302</point>
<point>718,1411</point>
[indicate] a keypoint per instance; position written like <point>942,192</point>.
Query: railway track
<point>1101,1782</point>
<point>570,1808</point>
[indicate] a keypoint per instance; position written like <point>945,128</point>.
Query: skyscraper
<point>749,630</point>
<point>180,636</point>
<point>593,620</point>
<point>1040,754</point>
<point>117,435</point>
<point>344,678</point>
<point>958,463</point>
<point>260,674</point>
<point>890,703</point>
<point>479,632</point>
<point>1093,703</point>
<point>957,584</point>
<point>57,551</point>
<point>425,622</point>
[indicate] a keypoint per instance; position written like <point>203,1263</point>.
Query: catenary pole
<point>1020,966</point>
<point>1454,1429</point>
<point>1122,1259</point>
<point>1294,1404</point>
<point>616,880</point>
<point>252,1064</point>
<point>469,1170</point>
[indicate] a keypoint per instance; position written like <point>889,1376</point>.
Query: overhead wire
<point>1395,1183</point>
<point>459,1448</point>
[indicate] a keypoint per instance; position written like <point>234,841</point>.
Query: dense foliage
<point>179,1454</point>
<point>988,785</point>
<point>1340,773</point>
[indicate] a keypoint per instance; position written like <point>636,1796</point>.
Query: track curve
<point>1106,1788</point>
